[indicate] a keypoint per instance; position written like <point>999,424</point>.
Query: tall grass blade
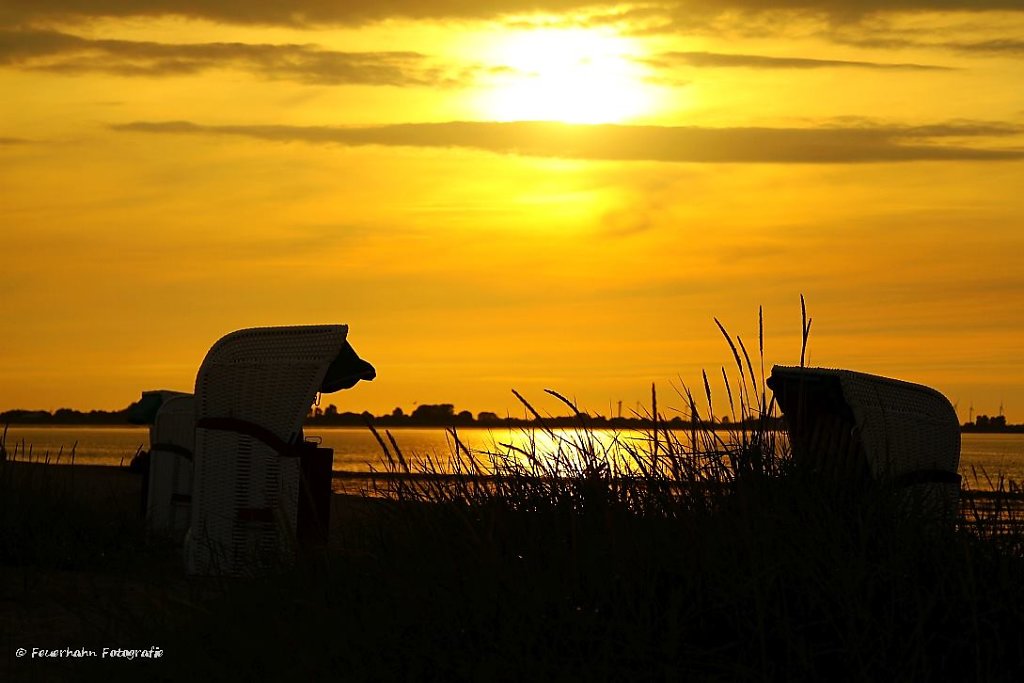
<point>728,392</point>
<point>750,367</point>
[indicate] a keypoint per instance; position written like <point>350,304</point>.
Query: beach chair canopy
<point>253,391</point>
<point>144,411</point>
<point>854,425</point>
<point>171,449</point>
<point>345,371</point>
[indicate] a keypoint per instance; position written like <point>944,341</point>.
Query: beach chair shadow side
<point>253,392</point>
<point>172,443</point>
<point>853,425</point>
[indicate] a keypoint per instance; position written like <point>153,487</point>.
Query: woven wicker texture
<point>896,428</point>
<point>169,506</point>
<point>245,496</point>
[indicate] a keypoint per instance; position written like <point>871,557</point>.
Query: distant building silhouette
<point>986,422</point>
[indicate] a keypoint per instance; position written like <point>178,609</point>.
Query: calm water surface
<point>355,449</point>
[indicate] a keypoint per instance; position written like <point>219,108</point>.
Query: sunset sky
<point>500,194</point>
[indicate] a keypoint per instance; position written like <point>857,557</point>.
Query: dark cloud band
<point>66,53</point>
<point>643,143</point>
<point>306,12</point>
<point>1005,47</point>
<point>722,60</point>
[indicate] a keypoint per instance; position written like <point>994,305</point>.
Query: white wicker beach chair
<point>854,426</point>
<point>172,440</point>
<point>252,393</point>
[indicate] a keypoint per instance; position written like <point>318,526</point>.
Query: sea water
<point>357,450</point>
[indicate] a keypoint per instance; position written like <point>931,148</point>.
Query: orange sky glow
<point>512,195</point>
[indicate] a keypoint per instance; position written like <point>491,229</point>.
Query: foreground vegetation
<point>542,575</point>
<point>682,557</point>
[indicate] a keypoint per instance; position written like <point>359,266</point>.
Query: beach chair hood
<point>857,425</point>
<point>253,392</point>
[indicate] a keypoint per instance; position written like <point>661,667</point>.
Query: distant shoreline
<point>389,422</point>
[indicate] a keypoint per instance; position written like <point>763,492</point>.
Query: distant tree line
<point>65,416</point>
<point>984,423</point>
<point>426,415</point>
<point>443,415</point>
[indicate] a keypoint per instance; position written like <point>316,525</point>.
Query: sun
<point>568,75</point>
